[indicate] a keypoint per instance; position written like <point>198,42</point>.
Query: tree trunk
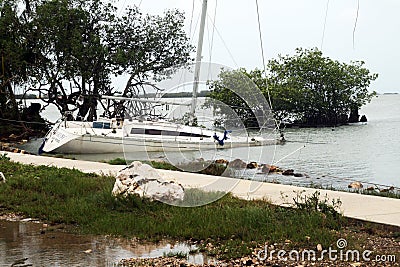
<point>354,116</point>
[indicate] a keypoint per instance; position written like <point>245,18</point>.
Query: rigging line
<point>265,69</point>
<point>212,39</point>
<point>355,23</point>
<point>226,47</point>
<point>305,144</point>
<point>262,52</point>
<point>323,32</point>
<point>288,155</point>
<point>122,7</point>
<point>191,19</point>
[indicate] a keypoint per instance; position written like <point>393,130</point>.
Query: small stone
<point>252,165</point>
<point>288,172</point>
<point>269,168</point>
<point>355,185</point>
<point>88,251</point>
<point>319,247</point>
<point>222,161</point>
<point>237,164</point>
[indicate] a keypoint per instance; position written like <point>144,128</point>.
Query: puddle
<point>20,240</point>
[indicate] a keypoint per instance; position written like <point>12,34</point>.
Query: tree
<point>307,87</point>
<point>13,63</point>
<point>16,60</point>
<point>66,51</point>
<point>240,91</point>
<point>70,37</point>
<point>83,43</point>
<point>321,91</point>
<point>147,48</point>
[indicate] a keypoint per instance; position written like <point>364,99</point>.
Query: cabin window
<point>101,125</point>
<point>164,132</point>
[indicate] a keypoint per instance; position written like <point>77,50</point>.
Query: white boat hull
<point>67,137</point>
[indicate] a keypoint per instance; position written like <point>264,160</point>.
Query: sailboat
<point>144,134</point>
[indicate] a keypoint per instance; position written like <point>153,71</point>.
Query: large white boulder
<point>143,180</point>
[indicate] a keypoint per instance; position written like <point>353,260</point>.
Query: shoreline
<point>249,212</point>
<point>380,209</point>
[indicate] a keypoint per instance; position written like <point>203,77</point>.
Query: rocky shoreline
<point>12,146</point>
<point>378,241</point>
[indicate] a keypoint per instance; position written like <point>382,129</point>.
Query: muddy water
<point>19,240</point>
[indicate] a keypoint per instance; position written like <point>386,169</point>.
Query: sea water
<point>328,157</point>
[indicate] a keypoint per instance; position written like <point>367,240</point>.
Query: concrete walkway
<point>370,208</point>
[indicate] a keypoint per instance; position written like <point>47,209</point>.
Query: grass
<point>178,255</point>
<point>116,161</point>
<point>84,202</point>
<point>389,194</point>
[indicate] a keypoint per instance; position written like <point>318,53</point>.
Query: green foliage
<point>4,157</point>
<point>14,58</point>
<point>240,93</point>
<point>178,255</point>
<point>68,50</point>
<point>314,203</point>
<point>117,161</point>
<point>307,87</point>
<point>317,89</point>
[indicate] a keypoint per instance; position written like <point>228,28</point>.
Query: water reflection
<point>20,240</point>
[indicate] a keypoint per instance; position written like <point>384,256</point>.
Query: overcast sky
<point>288,24</point>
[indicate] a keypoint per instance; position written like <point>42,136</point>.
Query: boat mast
<point>198,61</point>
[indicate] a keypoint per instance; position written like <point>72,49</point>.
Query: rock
<point>288,172</point>
<point>13,136</point>
<point>319,247</point>
<point>222,161</point>
<point>298,175</point>
<point>269,168</point>
<point>385,190</point>
<point>145,181</point>
<point>355,185</point>
<point>252,165</point>
<point>363,118</point>
<point>2,178</point>
<point>371,188</point>
<point>237,164</point>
